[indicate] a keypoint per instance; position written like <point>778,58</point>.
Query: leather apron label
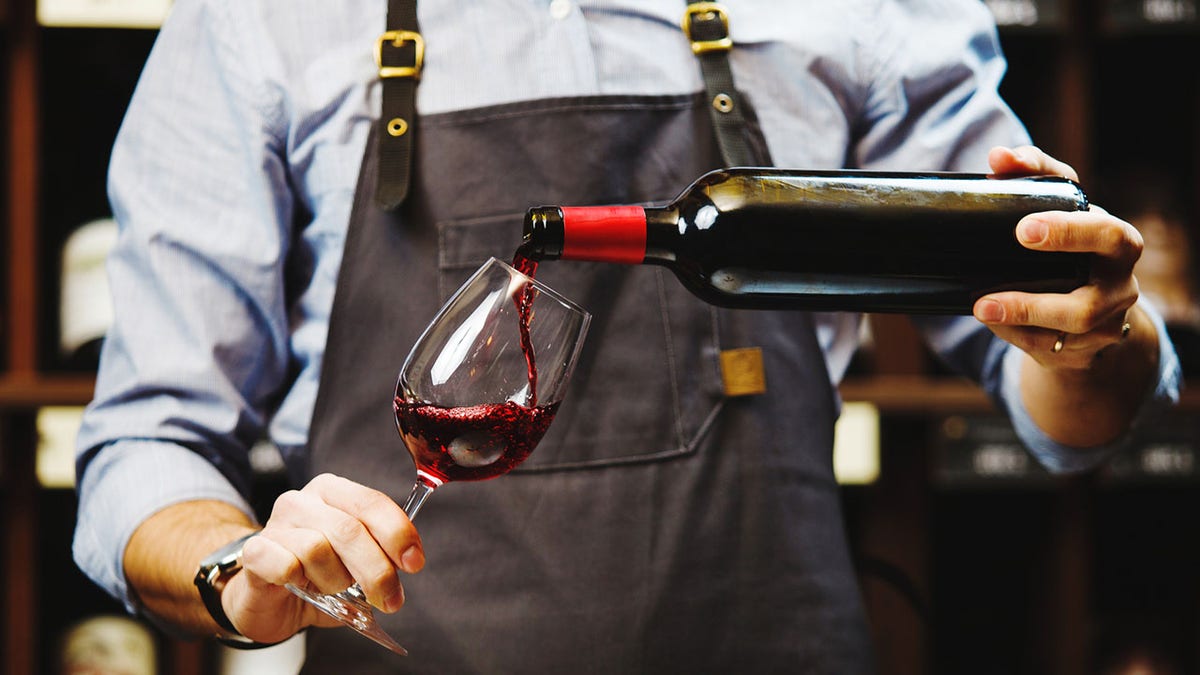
<point>742,372</point>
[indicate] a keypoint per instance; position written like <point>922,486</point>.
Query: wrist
<point>1094,406</point>
<point>215,573</point>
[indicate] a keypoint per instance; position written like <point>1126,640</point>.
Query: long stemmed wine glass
<point>476,394</point>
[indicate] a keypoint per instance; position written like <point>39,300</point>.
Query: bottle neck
<point>615,234</point>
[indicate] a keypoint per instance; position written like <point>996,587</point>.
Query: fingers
<point>1062,330</point>
<point>1111,290</point>
<point>1061,349</point>
<point>267,612</point>
<point>1066,330</point>
<point>334,533</point>
<point>1028,160</point>
<point>381,517</point>
<point>1094,231</point>
<point>296,556</point>
<point>1084,310</point>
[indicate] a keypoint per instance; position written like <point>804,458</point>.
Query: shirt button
<point>559,9</point>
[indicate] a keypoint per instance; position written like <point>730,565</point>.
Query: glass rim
<point>540,286</point>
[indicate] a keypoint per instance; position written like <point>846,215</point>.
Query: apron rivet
<point>723,103</point>
<point>397,126</point>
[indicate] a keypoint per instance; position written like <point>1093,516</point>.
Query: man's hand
<point>324,537</point>
<point>1087,320</point>
<point>1092,352</point>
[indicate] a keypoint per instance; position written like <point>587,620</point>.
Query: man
<point>660,526</point>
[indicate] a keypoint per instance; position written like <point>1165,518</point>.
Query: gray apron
<point>660,526</point>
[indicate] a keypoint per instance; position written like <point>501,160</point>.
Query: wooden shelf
<point>896,394</point>
<point>923,395</point>
<point>19,392</point>
<point>916,394</point>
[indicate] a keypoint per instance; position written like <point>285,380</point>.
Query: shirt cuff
<point>125,484</point>
<point>1059,458</point>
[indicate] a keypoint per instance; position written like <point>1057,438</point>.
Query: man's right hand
<point>325,537</point>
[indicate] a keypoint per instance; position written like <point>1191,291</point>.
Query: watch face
<point>228,558</point>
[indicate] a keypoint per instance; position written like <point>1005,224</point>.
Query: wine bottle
<point>866,241</point>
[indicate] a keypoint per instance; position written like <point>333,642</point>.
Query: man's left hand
<point>1067,331</point>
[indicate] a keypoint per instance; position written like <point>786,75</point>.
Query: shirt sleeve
<point>198,348</point>
<point>972,350</point>
<point>933,101</point>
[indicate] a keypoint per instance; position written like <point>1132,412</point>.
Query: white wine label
<point>742,371</point>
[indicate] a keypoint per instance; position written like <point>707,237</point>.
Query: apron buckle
<point>399,38</point>
<point>703,15</point>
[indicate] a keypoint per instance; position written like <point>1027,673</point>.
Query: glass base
<point>352,609</point>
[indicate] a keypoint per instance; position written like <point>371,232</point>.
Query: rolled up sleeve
<point>128,483</point>
<point>970,349</point>
<point>1006,389</point>
<point>197,353</point>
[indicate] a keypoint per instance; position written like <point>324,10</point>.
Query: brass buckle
<point>398,38</point>
<point>707,10</point>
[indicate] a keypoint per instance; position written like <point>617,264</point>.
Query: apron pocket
<point>647,386</point>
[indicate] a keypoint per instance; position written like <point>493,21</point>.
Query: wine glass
<point>475,395</point>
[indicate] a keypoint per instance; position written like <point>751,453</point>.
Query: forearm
<point>165,551</point>
<point>1095,406</point>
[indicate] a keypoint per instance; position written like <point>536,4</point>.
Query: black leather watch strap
<point>214,572</point>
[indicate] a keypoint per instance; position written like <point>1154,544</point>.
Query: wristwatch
<point>215,571</point>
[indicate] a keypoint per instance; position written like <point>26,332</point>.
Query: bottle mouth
<point>543,233</point>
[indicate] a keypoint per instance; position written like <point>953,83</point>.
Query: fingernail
<point>412,560</point>
<point>989,311</point>
<point>1033,231</point>
<point>395,601</point>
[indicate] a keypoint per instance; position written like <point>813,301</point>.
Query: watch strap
<point>214,571</point>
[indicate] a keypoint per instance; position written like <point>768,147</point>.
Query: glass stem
<point>420,491</point>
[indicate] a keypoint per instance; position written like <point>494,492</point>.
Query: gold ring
<point>1058,343</point>
<point>1125,328</point>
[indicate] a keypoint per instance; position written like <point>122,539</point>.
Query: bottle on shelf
<point>85,310</point>
<point>922,243</point>
<point>108,644</point>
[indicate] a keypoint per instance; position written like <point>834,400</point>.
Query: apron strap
<point>706,25</point>
<point>399,54</point>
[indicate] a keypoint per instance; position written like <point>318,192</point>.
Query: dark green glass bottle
<point>929,243</point>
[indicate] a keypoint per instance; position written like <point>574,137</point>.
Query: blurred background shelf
<point>924,395</point>
<point>890,394</point>
<point>29,392</point>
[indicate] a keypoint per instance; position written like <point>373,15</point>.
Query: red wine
<point>843,240</point>
<point>472,442</point>
<point>525,265</point>
<point>528,267</point>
